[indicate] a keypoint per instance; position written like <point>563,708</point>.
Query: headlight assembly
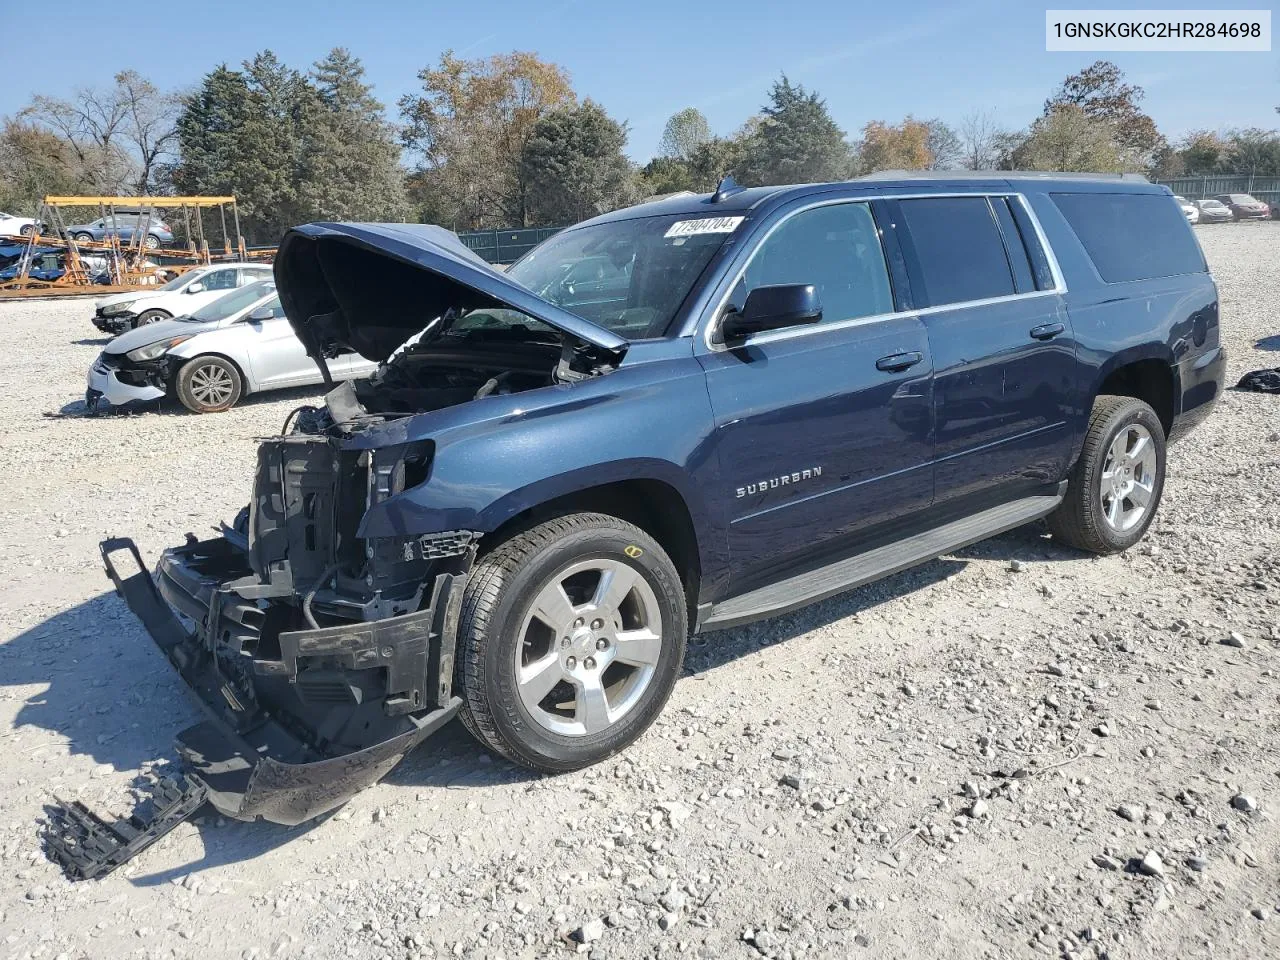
<point>113,309</point>
<point>153,351</point>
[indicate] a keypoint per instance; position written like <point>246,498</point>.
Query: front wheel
<point>150,316</point>
<point>84,237</point>
<point>571,638</point>
<point>209,384</point>
<point>1114,489</point>
<point>27,231</point>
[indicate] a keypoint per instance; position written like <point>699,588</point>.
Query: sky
<point>643,61</point>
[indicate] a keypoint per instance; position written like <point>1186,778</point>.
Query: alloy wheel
<point>589,647</point>
<point>1128,479</point>
<point>212,385</point>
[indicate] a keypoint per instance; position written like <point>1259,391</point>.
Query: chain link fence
<point>506,246</point>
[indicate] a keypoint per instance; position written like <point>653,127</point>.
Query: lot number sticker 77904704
<point>689,228</point>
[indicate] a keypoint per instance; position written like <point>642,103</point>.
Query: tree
<point>350,163</point>
<point>1253,151</point>
<point>943,144</point>
<point>1202,152</point>
<point>118,135</point>
<point>886,147</point>
<point>980,141</point>
<point>35,162</point>
<point>796,140</point>
<point>684,133</point>
<point>469,127</point>
<point>1101,94</point>
<point>241,133</point>
<point>574,166</point>
<point>1068,139</point>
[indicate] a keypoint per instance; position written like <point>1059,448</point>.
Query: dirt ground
<point>1016,750</point>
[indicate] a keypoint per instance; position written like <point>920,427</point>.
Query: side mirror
<point>772,308</point>
<point>196,287</point>
<point>261,314</point>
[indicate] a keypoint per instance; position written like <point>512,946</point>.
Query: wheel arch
<point>1146,374</point>
<point>655,506</point>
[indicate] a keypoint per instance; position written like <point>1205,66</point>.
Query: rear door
<point>822,431</point>
<point>1005,369</point>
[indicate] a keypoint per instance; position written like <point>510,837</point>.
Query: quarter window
<point>1132,236</point>
<point>958,248</point>
<point>837,249</point>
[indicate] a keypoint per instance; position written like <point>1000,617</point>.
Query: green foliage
<point>291,147</point>
<point>796,141</point>
<point>1101,94</point>
<point>34,163</point>
<point>1069,140</point>
<point>684,133</point>
<point>574,167</point>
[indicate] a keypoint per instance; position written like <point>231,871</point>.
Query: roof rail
<point>997,175</point>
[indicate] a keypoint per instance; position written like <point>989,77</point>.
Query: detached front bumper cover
<point>253,766</point>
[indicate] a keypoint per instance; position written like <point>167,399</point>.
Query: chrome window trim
<point>773,336</point>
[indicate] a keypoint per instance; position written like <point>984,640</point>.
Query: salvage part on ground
<point>1261,381</point>
<point>87,846</point>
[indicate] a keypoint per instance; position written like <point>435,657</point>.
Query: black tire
<point>152,241</point>
<point>27,231</point>
<point>1080,519</point>
<point>150,316</point>
<point>83,238</point>
<point>196,375</point>
<point>499,593</point>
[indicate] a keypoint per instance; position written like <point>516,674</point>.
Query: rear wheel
<point>571,638</point>
<point>152,241</point>
<point>27,231</point>
<point>209,384</point>
<point>1115,487</point>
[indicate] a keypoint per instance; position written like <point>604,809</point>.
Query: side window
<point>1132,236</point>
<point>837,249</point>
<point>1014,245</point>
<point>220,280</point>
<point>959,250</point>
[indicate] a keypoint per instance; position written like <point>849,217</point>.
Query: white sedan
<point>11,226</point>
<point>239,344</point>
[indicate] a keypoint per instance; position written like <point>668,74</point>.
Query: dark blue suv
<point>742,403</point>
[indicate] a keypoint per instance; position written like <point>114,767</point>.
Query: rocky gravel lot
<point>1013,751</point>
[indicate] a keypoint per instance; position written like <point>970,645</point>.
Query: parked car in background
<point>183,294</point>
<point>1189,209</point>
<point>1213,211</point>
<point>124,226</point>
<point>1275,211</point>
<point>11,226</point>
<point>212,357</point>
<point>49,265</point>
<point>1243,206</point>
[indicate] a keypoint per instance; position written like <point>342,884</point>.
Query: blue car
<point>125,226</point>
<point>741,403</point>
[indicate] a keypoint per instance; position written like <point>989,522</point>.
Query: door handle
<point>1047,331</point>
<point>895,363</point>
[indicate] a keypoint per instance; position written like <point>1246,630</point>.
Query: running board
<point>862,568</point>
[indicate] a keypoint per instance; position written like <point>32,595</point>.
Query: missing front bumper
<point>254,763</point>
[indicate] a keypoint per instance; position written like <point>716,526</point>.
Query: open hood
<point>369,287</point>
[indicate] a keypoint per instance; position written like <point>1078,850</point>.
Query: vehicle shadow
<point>92,341</point>
<point>1269,343</point>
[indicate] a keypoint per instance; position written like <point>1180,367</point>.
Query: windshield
<point>232,303</point>
<point>181,280</point>
<point>628,276</point>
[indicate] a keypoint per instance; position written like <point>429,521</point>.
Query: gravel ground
<point>1015,750</point>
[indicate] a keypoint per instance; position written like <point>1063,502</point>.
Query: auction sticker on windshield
<point>689,228</point>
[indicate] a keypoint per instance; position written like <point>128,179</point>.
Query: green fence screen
<point>1197,188</point>
<point>506,246</point>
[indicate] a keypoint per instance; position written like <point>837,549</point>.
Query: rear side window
<point>1132,236</point>
<point>959,249</point>
<point>834,247</point>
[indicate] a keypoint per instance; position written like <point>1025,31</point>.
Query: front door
<point>1005,369</point>
<point>822,431</point>
<point>277,355</point>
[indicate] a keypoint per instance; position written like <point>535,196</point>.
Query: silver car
<point>239,344</point>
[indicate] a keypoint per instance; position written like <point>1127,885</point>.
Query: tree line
<point>506,141</point>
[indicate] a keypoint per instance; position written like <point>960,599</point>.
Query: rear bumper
<point>256,760</point>
<point>1201,380</point>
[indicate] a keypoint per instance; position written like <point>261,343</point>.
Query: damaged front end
<point>323,652</point>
